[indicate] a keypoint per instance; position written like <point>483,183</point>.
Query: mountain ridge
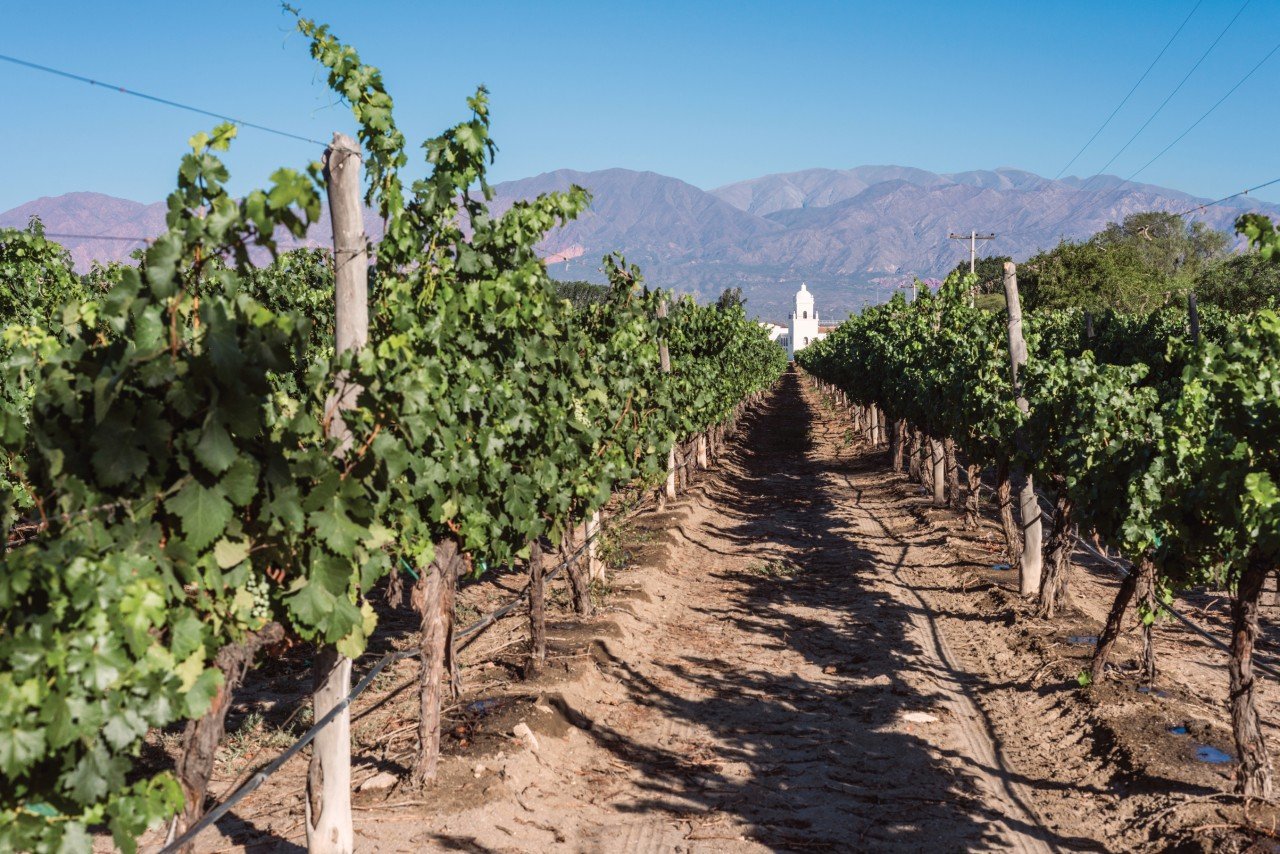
<point>854,235</point>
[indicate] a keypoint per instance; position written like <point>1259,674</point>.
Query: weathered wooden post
<point>595,566</point>
<point>328,803</point>
<point>939,473</point>
<point>664,358</point>
<point>1031,562</point>
<point>1193,316</point>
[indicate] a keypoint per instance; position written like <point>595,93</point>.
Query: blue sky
<point>707,92</point>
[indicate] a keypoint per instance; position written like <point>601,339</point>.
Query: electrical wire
<point>1207,112</point>
<point>1097,199</point>
<point>156,99</point>
<point>1123,184</point>
<point>1176,89</point>
<point>1134,88</point>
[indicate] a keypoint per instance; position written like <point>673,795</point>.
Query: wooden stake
<point>664,359</point>
<point>328,819</point>
<point>1031,561</point>
<point>595,566</point>
<point>939,474</point>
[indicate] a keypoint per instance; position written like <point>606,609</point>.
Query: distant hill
<point>852,234</point>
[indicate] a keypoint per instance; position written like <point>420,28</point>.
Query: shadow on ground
<point>826,765</point>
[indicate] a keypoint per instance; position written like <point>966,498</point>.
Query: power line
<point>1177,88</point>
<point>165,101</point>
<point>1126,98</point>
<point>1121,187</point>
<point>1085,186</point>
<point>1206,113</point>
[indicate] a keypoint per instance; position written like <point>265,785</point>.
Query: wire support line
<point>1199,208</point>
<point>65,236</point>
<point>1133,89</point>
<point>156,99</point>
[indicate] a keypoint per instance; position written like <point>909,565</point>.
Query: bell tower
<point>804,321</point>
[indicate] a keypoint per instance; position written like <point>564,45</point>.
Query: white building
<point>803,327</point>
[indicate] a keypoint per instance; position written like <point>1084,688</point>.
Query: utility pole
<point>973,237</point>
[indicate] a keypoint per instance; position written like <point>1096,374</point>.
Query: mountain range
<point>852,234</point>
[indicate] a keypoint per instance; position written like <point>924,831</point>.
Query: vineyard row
<point>201,458</point>
<point>1153,434</point>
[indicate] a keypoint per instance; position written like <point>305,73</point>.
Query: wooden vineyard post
<point>1193,317</point>
<point>328,802</point>
<point>595,566</point>
<point>1031,560</point>
<point>701,452</point>
<point>537,612</point>
<point>664,359</point>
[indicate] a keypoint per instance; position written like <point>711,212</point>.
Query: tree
<point>582,294</point>
<point>1239,283</point>
<point>989,270</point>
<point>1168,245</point>
<point>731,298</point>
<point>1149,259</point>
<point>1090,276</point>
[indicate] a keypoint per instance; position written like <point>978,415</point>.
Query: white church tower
<point>804,322</point>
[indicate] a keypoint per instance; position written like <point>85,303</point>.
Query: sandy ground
<point>802,655</point>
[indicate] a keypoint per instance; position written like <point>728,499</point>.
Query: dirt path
<point>782,688</point>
